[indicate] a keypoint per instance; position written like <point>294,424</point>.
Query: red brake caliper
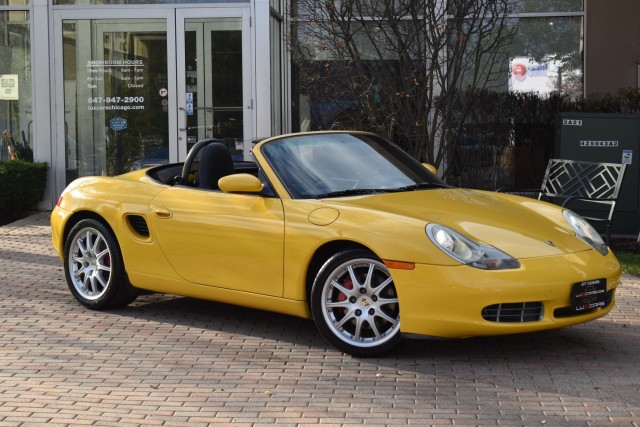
<point>348,284</point>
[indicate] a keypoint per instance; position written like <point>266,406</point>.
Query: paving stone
<point>168,360</point>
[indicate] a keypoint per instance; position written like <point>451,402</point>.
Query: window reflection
<point>15,85</point>
<point>14,3</point>
<point>115,80</point>
<point>547,56</point>
<point>533,6</point>
<point>123,2</point>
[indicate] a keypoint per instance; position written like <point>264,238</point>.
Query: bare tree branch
<point>398,67</point>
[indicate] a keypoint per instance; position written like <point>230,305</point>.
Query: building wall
<point>612,45</point>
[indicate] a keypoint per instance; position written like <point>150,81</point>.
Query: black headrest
<point>215,163</point>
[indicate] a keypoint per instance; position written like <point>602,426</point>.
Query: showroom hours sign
<point>127,94</point>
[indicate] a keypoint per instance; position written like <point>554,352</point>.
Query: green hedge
<point>507,138</point>
<point>22,186</point>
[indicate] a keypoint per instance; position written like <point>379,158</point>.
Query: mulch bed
<point>625,244</point>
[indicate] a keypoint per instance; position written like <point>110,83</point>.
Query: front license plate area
<point>588,295</point>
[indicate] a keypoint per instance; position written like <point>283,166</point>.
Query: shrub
<point>22,186</point>
<point>507,138</point>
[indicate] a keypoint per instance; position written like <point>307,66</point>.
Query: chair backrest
<point>215,163</point>
<point>592,180</point>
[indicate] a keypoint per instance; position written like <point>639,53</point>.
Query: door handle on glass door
<point>185,118</point>
<point>210,109</point>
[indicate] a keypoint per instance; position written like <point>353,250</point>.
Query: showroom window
<point>114,121</point>
<point>15,80</point>
<point>545,55</point>
<point>138,2</point>
<point>547,6</point>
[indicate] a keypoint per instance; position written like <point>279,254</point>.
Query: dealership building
<point>101,87</point>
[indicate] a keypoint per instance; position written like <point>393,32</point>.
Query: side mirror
<point>431,168</point>
<point>240,183</point>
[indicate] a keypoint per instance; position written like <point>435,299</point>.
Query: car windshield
<point>343,164</point>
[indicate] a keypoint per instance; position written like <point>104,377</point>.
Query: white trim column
<point>262,71</point>
<point>41,97</point>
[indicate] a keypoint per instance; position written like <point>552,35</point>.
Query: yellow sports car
<point>343,227</point>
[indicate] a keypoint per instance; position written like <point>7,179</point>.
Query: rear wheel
<point>93,267</point>
<point>355,305</point>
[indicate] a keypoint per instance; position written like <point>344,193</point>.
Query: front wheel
<point>93,267</point>
<point>355,305</point>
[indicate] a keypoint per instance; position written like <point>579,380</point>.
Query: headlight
<point>467,251</point>
<point>585,231</point>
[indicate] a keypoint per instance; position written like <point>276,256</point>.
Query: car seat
<point>215,163</point>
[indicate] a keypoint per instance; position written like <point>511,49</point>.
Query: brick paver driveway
<point>171,360</point>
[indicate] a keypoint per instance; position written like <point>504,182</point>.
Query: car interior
<point>207,162</point>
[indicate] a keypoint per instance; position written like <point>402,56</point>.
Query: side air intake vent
<point>520,312</point>
<point>139,225</point>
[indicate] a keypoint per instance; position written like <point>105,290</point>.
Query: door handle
<point>184,110</point>
<point>162,213</point>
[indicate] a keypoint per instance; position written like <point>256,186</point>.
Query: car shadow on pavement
<point>590,366</point>
<point>225,319</point>
<point>599,348</point>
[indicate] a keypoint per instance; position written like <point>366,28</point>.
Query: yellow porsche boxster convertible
<point>342,227</point>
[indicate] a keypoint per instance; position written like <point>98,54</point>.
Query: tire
<point>355,305</point>
<point>94,269</point>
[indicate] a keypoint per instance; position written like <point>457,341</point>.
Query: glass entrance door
<point>114,121</point>
<point>138,90</point>
<point>214,94</point>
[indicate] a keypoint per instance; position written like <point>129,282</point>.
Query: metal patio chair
<point>589,187</point>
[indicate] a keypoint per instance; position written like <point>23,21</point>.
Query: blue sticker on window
<point>118,123</point>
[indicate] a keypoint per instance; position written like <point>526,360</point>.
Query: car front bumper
<point>447,301</point>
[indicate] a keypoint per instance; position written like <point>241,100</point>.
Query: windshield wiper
<point>422,186</point>
<point>359,191</point>
<point>350,192</point>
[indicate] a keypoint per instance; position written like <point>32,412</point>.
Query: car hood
<point>520,226</point>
